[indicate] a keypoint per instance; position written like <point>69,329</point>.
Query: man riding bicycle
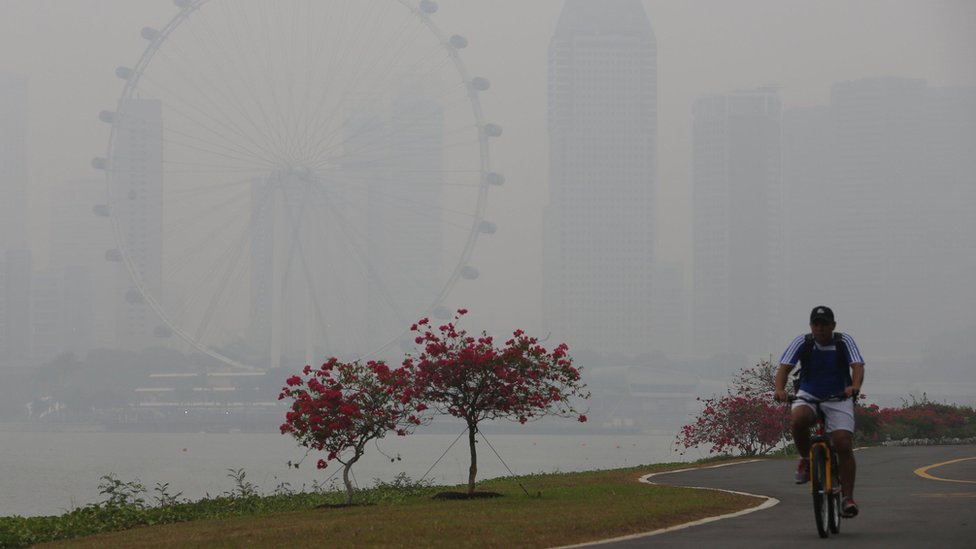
<point>830,364</point>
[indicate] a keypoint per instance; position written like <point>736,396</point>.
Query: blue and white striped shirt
<point>821,376</point>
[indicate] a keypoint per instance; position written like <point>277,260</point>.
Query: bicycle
<point>824,472</point>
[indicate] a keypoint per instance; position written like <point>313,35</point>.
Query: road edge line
<point>770,502</point>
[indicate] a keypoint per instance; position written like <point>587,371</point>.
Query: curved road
<point>922,496</point>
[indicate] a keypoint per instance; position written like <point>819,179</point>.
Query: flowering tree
<point>747,419</point>
<point>340,406</point>
<point>470,378</point>
<point>757,381</point>
<point>753,426</point>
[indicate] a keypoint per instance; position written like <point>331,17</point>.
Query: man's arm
<point>782,374</point>
<point>857,379</point>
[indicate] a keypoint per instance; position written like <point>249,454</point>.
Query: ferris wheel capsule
<point>493,130</point>
<point>480,84</point>
<point>493,178</point>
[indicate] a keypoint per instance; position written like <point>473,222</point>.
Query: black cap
<point>821,312</point>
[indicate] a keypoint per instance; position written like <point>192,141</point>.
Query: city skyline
<point>519,202</point>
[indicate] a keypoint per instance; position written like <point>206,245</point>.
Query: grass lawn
<point>560,509</point>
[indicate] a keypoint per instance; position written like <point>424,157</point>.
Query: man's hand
<point>780,395</point>
<point>851,392</point>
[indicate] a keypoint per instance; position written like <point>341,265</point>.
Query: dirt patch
<point>465,495</point>
<point>342,505</point>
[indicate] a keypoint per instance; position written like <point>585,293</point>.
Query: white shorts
<point>840,414</point>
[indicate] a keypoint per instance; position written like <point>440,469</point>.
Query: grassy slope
<point>562,509</point>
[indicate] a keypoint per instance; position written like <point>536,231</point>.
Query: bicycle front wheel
<point>833,502</point>
<point>821,495</point>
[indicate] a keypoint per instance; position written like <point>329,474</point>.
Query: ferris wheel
<point>297,178</point>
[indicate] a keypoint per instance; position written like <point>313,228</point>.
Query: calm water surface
<point>49,473</point>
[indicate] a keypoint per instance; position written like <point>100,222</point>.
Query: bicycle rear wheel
<point>833,502</point>
<point>821,496</point>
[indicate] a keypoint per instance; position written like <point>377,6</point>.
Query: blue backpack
<point>807,349</point>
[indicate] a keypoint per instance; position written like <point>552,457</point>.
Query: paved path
<point>934,507</point>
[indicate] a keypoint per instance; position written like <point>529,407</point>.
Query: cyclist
<point>831,364</point>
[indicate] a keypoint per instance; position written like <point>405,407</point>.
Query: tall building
<point>406,217</point>
<point>949,182</point>
<point>136,188</point>
<point>878,181</point>
<point>737,240</point>
<point>15,322</point>
<point>14,244</point>
<point>13,162</point>
<point>809,179</point>
<point>47,307</point>
<point>78,243</point>
<point>599,223</point>
<point>879,143</point>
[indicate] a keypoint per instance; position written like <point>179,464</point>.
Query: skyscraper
<point>405,216</point>
<point>878,181</point>
<point>599,223</point>
<point>78,243</point>
<point>13,162</point>
<point>15,270</point>
<point>136,183</point>
<point>15,322</point>
<point>737,241</point>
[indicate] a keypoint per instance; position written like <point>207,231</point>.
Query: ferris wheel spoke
<point>264,81</point>
<point>210,121</point>
<point>356,80</point>
<point>298,249</point>
<point>419,209</point>
<point>224,150</point>
<point>233,270</point>
<point>219,78</point>
<point>372,273</point>
<point>380,240</point>
<point>383,142</point>
<point>202,220</point>
<point>333,53</point>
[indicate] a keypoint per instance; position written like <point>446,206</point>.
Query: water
<point>44,473</point>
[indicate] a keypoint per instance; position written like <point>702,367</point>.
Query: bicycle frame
<point>824,471</point>
<point>821,440</point>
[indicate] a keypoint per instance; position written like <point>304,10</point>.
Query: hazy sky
<point>70,48</point>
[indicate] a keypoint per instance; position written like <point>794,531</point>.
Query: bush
<point>125,507</point>
<point>868,422</point>
<point>925,419</point>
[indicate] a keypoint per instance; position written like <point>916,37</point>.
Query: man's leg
<point>843,443</point>
<point>801,418</point>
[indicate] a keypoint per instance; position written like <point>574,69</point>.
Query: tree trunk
<point>345,477</point>
<point>473,470</point>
